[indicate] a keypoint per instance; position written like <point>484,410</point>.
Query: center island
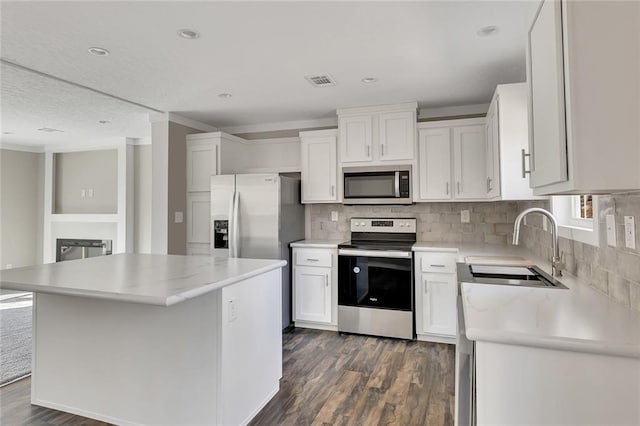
<point>141,339</point>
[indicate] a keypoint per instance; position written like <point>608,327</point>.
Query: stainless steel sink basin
<point>521,276</point>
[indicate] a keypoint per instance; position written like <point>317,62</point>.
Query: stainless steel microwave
<point>377,185</point>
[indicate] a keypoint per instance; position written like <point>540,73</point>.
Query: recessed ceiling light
<point>188,34</point>
<point>7,133</point>
<point>225,95</point>
<point>369,80</point>
<point>487,31</point>
<point>49,130</point>
<point>98,51</point>
<point>104,121</point>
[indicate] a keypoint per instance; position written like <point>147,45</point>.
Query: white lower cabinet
<point>436,291</point>
<point>315,299</point>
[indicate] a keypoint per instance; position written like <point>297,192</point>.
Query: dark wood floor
<point>327,379</point>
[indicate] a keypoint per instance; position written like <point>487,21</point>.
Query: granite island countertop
<point>151,279</point>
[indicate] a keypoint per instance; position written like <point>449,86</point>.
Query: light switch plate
<point>233,310</point>
<point>611,230</point>
<point>630,232</point>
<point>465,216</point>
<point>83,193</point>
<point>178,217</point>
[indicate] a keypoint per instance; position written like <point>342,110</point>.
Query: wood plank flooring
<point>328,379</point>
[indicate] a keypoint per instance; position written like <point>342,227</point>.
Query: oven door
<point>375,279</point>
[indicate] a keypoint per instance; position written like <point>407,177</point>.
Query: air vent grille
<point>321,80</point>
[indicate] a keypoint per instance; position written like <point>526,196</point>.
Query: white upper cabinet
<point>583,70</point>
<point>356,138</point>
<point>201,164</point>
<point>435,163</point>
<point>507,144</point>
<point>469,162</point>
<point>377,135</point>
<point>397,135</point>
<point>452,160</point>
<point>319,166</point>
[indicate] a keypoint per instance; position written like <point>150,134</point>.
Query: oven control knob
<point>401,223</point>
<point>356,270</point>
<point>362,224</point>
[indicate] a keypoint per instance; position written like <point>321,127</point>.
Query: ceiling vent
<point>49,130</point>
<point>323,80</point>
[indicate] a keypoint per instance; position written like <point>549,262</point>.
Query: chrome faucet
<point>556,262</point>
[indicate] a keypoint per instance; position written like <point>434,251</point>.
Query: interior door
<point>259,209</point>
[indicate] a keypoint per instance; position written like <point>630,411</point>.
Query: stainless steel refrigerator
<point>256,216</point>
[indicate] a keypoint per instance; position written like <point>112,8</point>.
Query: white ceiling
<point>257,51</point>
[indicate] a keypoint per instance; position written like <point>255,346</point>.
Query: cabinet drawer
<point>438,262</point>
<point>312,257</point>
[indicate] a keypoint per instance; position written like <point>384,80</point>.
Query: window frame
<point>585,231</point>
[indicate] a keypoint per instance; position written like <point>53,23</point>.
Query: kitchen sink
<point>521,276</point>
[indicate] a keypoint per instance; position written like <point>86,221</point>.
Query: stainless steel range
<point>375,278</point>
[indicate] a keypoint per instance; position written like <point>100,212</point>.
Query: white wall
<point>142,199</point>
<point>86,171</point>
<point>20,208</point>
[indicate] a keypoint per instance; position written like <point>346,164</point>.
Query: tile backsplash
<point>490,222</point>
<point>614,271</point>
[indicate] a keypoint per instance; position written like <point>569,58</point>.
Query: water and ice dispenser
<point>221,234</point>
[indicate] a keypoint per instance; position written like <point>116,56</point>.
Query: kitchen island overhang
<point>155,339</point>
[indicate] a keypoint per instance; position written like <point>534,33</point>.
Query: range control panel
<point>395,225</point>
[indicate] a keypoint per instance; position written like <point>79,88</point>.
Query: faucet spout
<point>556,262</point>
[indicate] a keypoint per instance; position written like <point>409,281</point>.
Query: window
<point>577,217</point>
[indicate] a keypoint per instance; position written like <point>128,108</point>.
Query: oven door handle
<point>375,253</point>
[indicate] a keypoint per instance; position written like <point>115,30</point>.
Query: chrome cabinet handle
<point>368,150</point>
<point>489,186</point>
<point>437,266</point>
<point>426,287</point>
<point>333,190</point>
<point>326,280</point>
<point>458,183</point>
<point>313,260</point>
<point>447,188</point>
<point>524,166</point>
<point>382,150</point>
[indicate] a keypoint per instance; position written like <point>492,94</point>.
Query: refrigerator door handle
<point>230,226</point>
<point>236,224</point>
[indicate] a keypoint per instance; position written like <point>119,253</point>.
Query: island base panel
<point>130,363</point>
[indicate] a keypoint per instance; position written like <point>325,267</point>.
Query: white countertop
<point>141,278</point>
<point>317,243</point>
<point>576,319</point>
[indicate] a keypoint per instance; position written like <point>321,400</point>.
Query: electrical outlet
<point>334,216</point>
<point>178,217</point>
<point>630,232</point>
<point>90,192</point>
<point>233,310</point>
<point>83,193</point>
<point>465,216</point>
<point>611,230</point>
<point>545,224</point>
<point>8,266</point>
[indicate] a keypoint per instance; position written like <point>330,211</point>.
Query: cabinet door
<point>492,147</point>
<point>198,217</point>
<point>201,164</point>
<point>319,174</point>
<point>312,294</point>
<point>355,138</point>
<point>397,135</point>
<point>469,164</point>
<point>439,303</point>
<point>548,137</point>
<point>435,164</point>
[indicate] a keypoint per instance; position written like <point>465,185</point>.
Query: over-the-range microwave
<point>377,185</point>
